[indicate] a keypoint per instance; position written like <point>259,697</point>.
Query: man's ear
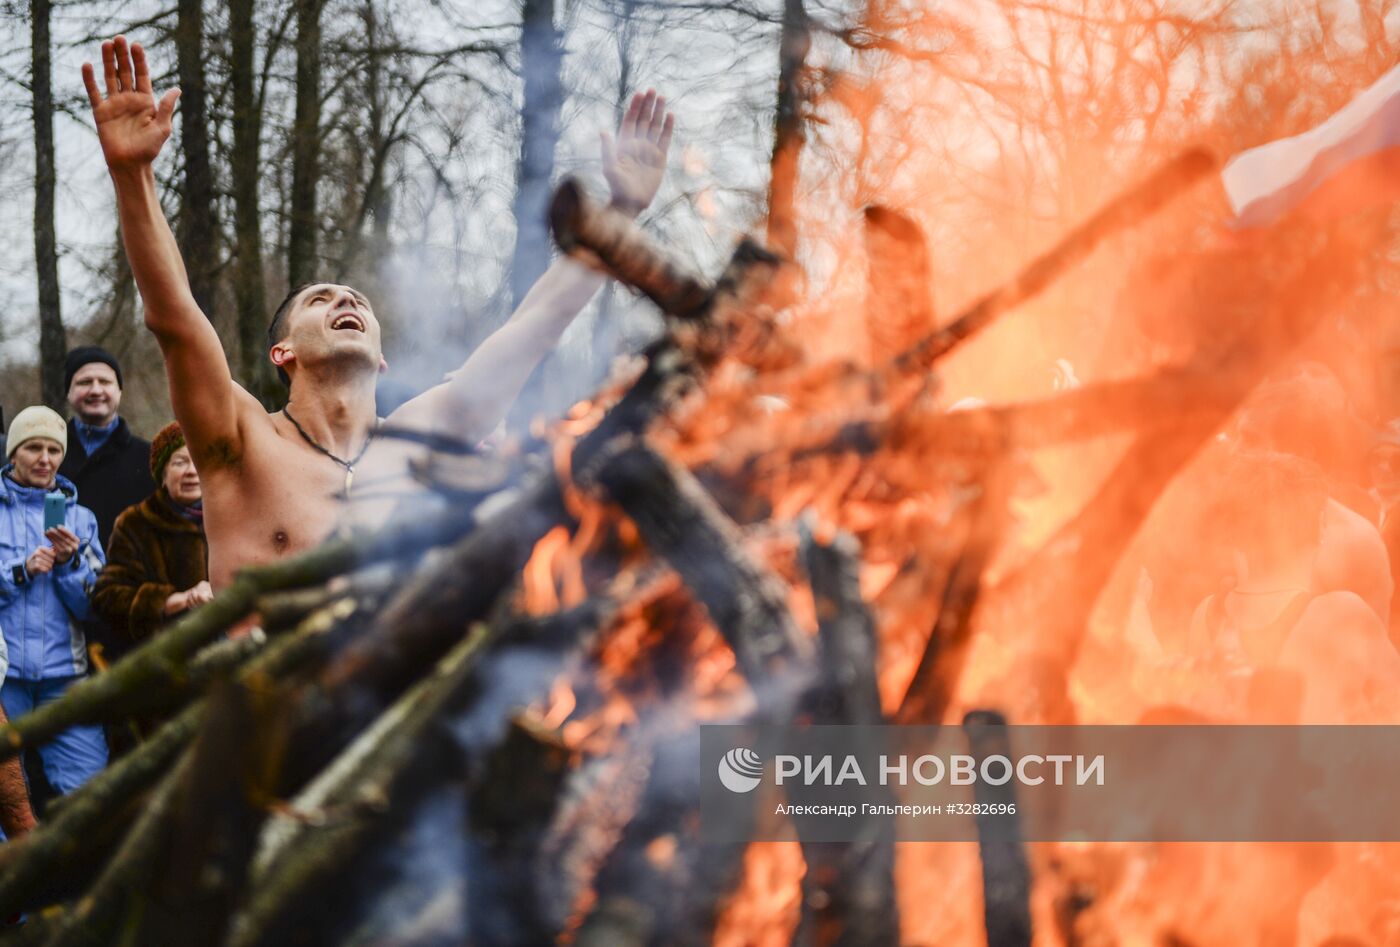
<point>281,355</point>
<point>383,365</point>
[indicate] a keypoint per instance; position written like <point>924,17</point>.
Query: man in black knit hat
<point>109,465</point>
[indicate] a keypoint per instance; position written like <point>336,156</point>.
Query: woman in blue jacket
<point>45,579</point>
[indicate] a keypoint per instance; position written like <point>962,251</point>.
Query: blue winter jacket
<point>40,615</point>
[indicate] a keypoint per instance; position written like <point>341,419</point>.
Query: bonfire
<point>483,728</point>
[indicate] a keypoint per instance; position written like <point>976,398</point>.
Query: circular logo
<point>740,770</point>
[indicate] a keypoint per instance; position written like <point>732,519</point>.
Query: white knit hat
<point>36,421</point>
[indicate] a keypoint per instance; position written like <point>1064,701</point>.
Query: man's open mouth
<point>348,320</point>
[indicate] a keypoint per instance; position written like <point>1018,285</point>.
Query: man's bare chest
<point>276,502</point>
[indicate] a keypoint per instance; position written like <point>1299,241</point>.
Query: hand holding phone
<point>64,542</point>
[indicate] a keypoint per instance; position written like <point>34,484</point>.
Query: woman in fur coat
<point>157,567</point>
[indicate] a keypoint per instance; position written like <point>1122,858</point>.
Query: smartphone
<point>55,509</point>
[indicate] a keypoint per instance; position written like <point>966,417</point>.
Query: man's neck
<point>338,418</point>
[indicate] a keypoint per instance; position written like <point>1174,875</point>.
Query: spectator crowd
<point>101,543</point>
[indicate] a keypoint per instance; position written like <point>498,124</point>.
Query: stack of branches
<point>380,698</point>
<point>366,768</point>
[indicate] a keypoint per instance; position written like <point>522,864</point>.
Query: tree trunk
<point>541,60</point>
<point>374,202</point>
<point>302,263</point>
<point>788,133</point>
<point>250,288</point>
<point>52,341</point>
<point>198,231</point>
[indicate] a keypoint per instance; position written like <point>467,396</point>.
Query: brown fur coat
<point>154,553</point>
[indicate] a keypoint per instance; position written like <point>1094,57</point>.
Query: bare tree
<point>788,132</point>
<point>306,146</point>
<point>199,231</point>
<point>541,60</point>
<point>245,168</point>
<point>52,339</point>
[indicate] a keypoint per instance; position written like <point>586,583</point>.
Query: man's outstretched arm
<point>476,396</point>
<point>132,128</point>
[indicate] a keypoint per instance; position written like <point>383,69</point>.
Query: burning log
<point>1006,873</point>
<point>1124,211</point>
<point>599,800</point>
<point>899,282</point>
<point>1063,587</point>
<point>1162,399</point>
<point>935,678</point>
<point>848,691</point>
<point>684,526</point>
<point>511,806</point>
<point>608,240</point>
<point>848,890</point>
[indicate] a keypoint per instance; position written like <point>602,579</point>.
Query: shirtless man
<point>274,484</point>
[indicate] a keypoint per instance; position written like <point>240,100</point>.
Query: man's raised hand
<point>635,162</point>
<point>131,125</point>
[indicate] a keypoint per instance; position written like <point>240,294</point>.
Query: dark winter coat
<point>117,476</point>
<point>155,552</point>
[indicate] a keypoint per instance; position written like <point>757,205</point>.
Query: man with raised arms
<point>274,483</point>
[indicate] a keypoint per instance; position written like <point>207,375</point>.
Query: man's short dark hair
<point>277,328</point>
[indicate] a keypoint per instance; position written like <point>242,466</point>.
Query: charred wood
<point>608,240</point>
<point>848,691</point>
<point>1006,873</point>
<point>848,895</point>
<point>684,526</point>
<point>660,885</point>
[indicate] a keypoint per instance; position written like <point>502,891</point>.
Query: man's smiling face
<point>329,324</point>
<point>94,394</point>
